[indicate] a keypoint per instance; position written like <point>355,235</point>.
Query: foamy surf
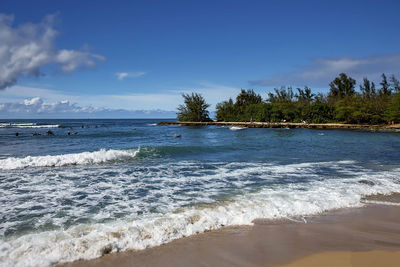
<point>277,201</point>
<point>27,125</point>
<point>84,158</point>
<point>236,128</point>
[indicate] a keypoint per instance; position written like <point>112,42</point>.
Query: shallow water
<point>128,184</point>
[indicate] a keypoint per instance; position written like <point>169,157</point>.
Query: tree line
<point>343,103</point>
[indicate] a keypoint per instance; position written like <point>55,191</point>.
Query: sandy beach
<point>365,236</point>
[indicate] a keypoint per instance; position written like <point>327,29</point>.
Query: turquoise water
<point>129,184</point>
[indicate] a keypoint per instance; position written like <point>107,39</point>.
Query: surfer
<point>17,133</point>
<point>49,132</point>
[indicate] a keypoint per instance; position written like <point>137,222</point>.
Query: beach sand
<point>348,259</point>
<point>366,236</point>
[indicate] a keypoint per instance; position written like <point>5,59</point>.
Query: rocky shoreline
<point>392,127</point>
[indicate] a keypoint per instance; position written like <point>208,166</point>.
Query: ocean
<point>113,185</point>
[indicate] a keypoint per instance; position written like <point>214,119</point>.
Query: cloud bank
<point>27,48</point>
<point>36,108</point>
<point>122,75</point>
<point>322,71</point>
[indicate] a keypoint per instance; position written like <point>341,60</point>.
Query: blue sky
<point>141,55</point>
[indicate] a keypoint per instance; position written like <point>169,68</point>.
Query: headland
<point>367,127</point>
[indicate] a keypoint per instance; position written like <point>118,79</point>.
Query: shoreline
<point>367,127</point>
<point>344,233</point>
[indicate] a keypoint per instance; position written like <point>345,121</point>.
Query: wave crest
<point>27,125</point>
<point>84,158</point>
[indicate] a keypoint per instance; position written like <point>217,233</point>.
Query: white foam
<point>38,126</point>
<point>377,202</point>
<point>276,201</point>
<point>83,158</point>
<point>236,128</point>
<point>27,125</point>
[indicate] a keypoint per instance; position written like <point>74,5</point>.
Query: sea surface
<point>115,185</point>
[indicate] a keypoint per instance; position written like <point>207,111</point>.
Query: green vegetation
<point>342,104</point>
<point>195,108</point>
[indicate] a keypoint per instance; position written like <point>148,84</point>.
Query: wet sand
<point>346,237</point>
<point>374,258</point>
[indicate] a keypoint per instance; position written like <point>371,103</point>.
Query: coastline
<point>366,127</point>
<point>349,236</point>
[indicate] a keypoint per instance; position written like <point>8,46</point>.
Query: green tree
<point>194,109</point>
<point>226,111</point>
<point>395,84</point>
<point>281,95</point>
<point>367,89</point>
<point>247,98</point>
<point>385,86</point>
<point>393,110</point>
<point>305,96</point>
<point>341,87</point>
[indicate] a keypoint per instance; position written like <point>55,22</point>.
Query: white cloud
<point>25,49</point>
<point>322,71</point>
<point>71,59</point>
<point>167,100</point>
<point>36,107</point>
<point>122,75</point>
<point>33,102</point>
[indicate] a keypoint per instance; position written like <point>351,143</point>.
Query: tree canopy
<point>369,105</point>
<point>342,103</point>
<point>194,108</point>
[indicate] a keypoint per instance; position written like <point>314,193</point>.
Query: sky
<point>132,59</point>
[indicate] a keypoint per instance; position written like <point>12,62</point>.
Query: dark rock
<point>367,182</point>
<point>106,250</point>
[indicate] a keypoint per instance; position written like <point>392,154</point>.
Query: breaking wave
<point>88,241</point>
<point>236,128</point>
<point>84,158</point>
<point>27,125</point>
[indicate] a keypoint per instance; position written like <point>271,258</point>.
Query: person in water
<point>49,132</point>
<point>17,133</point>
